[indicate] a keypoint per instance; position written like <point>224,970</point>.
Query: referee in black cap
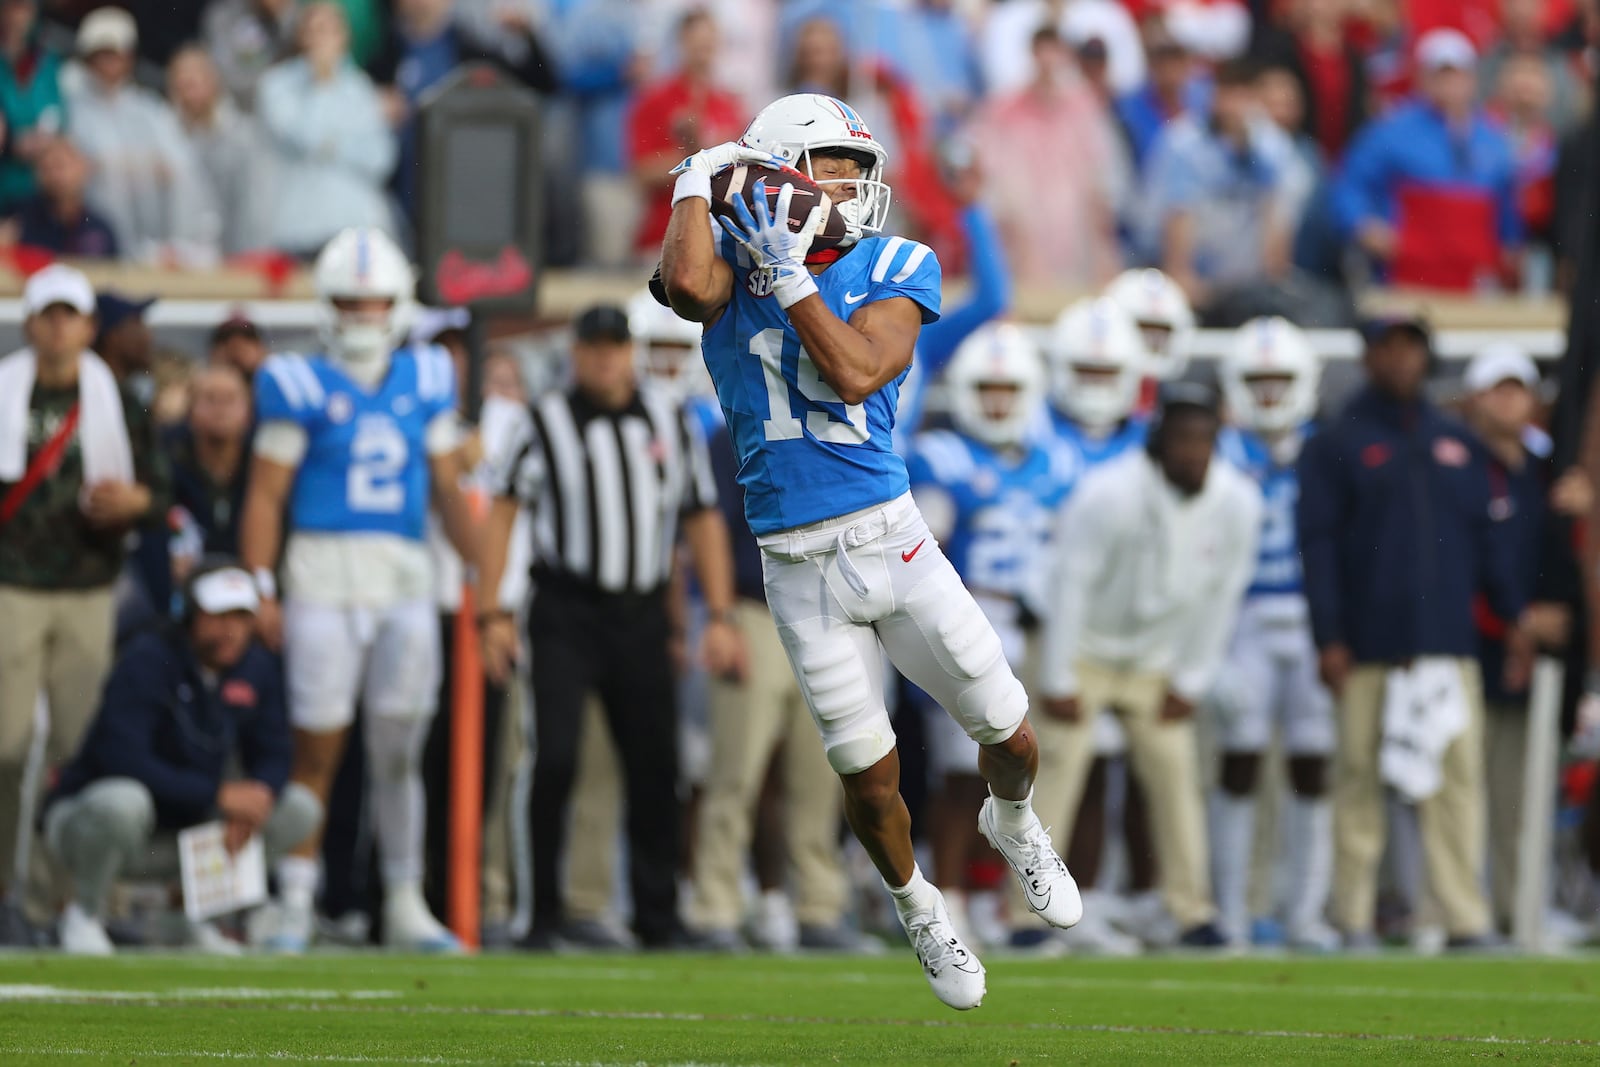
<point>612,472</point>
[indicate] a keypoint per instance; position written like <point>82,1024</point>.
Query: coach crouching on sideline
<point>192,728</point>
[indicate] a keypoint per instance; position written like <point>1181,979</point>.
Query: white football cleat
<point>290,930</point>
<point>82,934</point>
<point>954,972</point>
<point>1046,883</point>
<point>1095,936</point>
<point>206,939</point>
<point>409,926</point>
<point>774,927</point>
<point>1317,937</point>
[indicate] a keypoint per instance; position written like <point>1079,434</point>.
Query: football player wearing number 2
<point>807,349</point>
<point>352,446</point>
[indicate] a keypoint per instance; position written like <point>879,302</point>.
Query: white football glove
<point>696,171</point>
<point>775,248</point>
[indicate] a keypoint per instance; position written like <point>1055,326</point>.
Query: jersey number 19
<point>782,424</point>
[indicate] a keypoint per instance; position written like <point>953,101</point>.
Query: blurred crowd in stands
<point>1278,144</point>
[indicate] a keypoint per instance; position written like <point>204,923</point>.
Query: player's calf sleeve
<point>1232,837</point>
<point>394,757</point>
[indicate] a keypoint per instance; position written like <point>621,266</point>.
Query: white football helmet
<point>995,355</point>
<point>1157,304</point>
<point>1270,376</point>
<point>666,348</point>
<point>1096,363</point>
<point>795,127</point>
<point>363,264</point>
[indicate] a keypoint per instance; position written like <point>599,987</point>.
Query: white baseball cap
<point>1445,48</point>
<point>1500,363</point>
<point>107,29</point>
<point>58,284</point>
<point>225,590</point>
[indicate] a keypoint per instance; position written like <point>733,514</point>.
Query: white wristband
<point>692,183</point>
<point>790,289</point>
<point>266,583</point>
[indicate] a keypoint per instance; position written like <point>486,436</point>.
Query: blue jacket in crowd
<point>162,724</point>
<point>1413,145</point>
<point>1397,533</point>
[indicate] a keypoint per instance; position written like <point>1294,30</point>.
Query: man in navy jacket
<point>1398,537</point>
<point>192,728</point>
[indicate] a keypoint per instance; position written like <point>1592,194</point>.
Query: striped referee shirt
<point>606,488</point>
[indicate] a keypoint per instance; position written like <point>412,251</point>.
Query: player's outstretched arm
<point>699,283</point>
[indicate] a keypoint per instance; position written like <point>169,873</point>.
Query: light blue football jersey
<point>1004,508</point>
<point>1278,570</point>
<point>366,466</point>
<point>804,455</point>
<point>1079,451</point>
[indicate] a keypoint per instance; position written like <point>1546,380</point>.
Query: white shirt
<point>1147,579</point>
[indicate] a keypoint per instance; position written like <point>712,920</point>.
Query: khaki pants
<point>749,722</point>
<point>1505,750</point>
<point>1451,821</point>
<point>1163,756</point>
<point>58,642</point>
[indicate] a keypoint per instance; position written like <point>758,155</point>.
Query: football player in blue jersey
<point>352,446</point>
<point>807,350</point>
<point>1158,306</point>
<point>1098,363</point>
<point>1269,683</point>
<point>989,494</point>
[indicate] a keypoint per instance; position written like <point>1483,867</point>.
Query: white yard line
<point>335,1007</point>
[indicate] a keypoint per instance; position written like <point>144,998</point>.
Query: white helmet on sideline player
<point>797,127</point>
<point>363,264</point>
<point>1161,311</point>
<point>1270,376</point>
<point>1096,363</point>
<point>666,348</point>
<point>996,359</point>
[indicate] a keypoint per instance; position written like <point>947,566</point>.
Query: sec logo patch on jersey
<point>759,282</point>
<point>339,408</point>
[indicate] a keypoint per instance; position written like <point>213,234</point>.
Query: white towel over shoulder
<point>102,425</point>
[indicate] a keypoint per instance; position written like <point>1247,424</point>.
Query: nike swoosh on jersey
<point>853,298</point>
<point>906,557</point>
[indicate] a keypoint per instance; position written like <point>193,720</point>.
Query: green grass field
<point>374,1009</point>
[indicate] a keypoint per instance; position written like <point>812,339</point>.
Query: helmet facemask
<point>867,211</point>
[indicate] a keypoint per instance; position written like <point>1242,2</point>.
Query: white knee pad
<point>989,701</point>
<point>854,724</point>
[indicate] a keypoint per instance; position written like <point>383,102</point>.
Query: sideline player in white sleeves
<point>807,351</point>
<point>1154,551</point>
<point>989,493</point>
<point>1269,682</point>
<point>352,446</point>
